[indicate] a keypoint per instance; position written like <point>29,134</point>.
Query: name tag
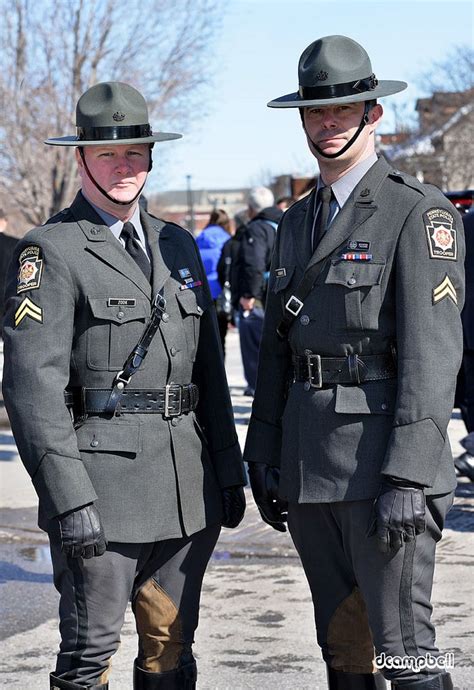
<point>121,302</point>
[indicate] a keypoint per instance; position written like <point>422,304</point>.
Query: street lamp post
<point>190,204</point>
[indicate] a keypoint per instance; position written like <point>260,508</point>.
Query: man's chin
<point>123,197</point>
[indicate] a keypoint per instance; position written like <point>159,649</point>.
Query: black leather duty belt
<point>172,400</point>
<point>317,371</point>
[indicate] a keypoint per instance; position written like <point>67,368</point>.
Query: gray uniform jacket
<point>77,305</point>
<point>332,444</point>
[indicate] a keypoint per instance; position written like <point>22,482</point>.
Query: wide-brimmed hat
<point>112,113</point>
<point>332,70</point>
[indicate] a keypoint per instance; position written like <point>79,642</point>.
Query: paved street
<point>256,628</point>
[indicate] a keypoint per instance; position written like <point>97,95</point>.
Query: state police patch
<point>31,268</point>
<point>441,234</point>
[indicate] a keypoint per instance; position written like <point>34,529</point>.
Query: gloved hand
<point>233,504</point>
<point>398,514</point>
<point>264,481</point>
<point>82,534</point>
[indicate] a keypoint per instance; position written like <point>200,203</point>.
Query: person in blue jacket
<point>210,243</point>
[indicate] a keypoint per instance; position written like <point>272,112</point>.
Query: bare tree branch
<point>52,52</point>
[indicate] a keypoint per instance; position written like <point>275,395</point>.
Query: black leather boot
<point>442,681</point>
<point>339,680</point>
<point>182,678</point>
<point>56,683</point>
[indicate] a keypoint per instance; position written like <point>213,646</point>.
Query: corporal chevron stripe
<point>28,308</point>
<point>445,289</point>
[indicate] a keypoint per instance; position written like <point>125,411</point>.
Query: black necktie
<point>133,247</point>
<point>323,202</point>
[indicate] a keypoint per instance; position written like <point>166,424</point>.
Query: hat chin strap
<point>364,121</point>
<point>102,191</point>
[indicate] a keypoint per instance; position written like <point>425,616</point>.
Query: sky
<point>240,142</point>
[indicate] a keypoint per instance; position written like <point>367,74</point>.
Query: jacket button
<point>384,406</point>
<point>175,421</point>
<point>307,386</point>
<point>304,320</point>
<point>352,281</point>
<point>94,443</point>
<point>173,351</point>
<point>165,317</point>
<point>120,315</point>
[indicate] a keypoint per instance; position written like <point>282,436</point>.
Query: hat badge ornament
<point>118,116</point>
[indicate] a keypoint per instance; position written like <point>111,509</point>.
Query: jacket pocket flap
<point>191,301</point>
<point>280,282</point>
<point>137,309</point>
<point>109,437</point>
<point>355,275</point>
<point>374,397</point>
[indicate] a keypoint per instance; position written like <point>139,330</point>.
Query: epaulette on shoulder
<point>409,181</point>
<point>59,217</point>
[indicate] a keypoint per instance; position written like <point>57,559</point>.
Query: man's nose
<point>122,163</point>
<point>328,119</point>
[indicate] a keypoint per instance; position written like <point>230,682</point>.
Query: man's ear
<point>375,114</point>
<point>77,153</point>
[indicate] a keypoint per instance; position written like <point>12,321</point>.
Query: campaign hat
<point>333,70</point>
<point>112,112</point>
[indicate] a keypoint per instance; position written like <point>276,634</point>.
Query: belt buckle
<point>169,390</point>
<point>294,305</point>
<point>310,364</point>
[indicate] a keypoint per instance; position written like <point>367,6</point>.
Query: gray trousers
<point>363,598</point>
<point>162,580</point>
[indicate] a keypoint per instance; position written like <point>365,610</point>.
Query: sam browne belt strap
<point>317,371</point>
<point>172,400</point>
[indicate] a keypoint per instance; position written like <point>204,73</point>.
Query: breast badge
<point>441,234</point>
<point>445,289</point>
<point>28,309</point>
<point>31,268</point>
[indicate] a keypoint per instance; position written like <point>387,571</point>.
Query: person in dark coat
<point>7,244</point>
<point>210,242</point>
<point>117,397</point>
<point>361,345</point>
<point>465,462</point>
<point>253,263</point>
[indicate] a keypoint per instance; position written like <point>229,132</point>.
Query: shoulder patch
<point>30,270</point>
<point>441,234</point>
<point>445,289</point>
<point>28,309</point>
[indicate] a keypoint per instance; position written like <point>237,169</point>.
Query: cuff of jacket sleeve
<point>263,443</point>
<point>62,484</point>
<point>414,451</point>
<point>229,466</point>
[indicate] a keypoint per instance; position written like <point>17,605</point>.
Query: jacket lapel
<point>103,244</point>
<point>162,248</point>
<point>358,208</point>
<point>303,225</point>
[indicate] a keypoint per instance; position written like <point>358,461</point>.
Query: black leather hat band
<point>113,133</point>
<point>352,88</point>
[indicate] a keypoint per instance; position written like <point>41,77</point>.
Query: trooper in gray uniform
<point>361,346</point>
<point>117,396</point>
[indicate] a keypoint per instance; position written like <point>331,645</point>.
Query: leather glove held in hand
<point>398,515</point>
<point>233,504</point>
<point>82,535</point>
<point>264,481</point>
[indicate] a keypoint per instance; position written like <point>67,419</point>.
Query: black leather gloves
<point>264,481</point>
<point>398,514</point>
<point>233,504</point>
<point>82,535</point>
